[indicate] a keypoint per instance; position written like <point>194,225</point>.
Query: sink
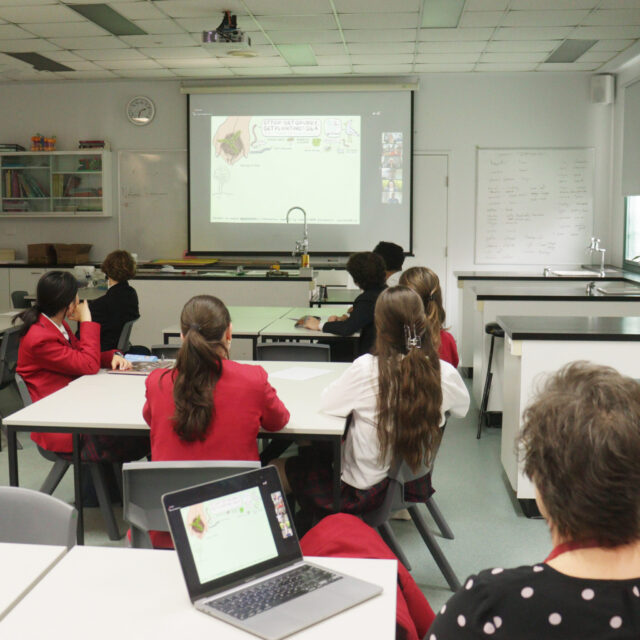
<point>619,290</point>
<point>577,272</point>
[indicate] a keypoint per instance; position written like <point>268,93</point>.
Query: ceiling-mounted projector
<point>227,39</point>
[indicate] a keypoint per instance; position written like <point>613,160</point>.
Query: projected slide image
<point>263,165</point>
<point>391,167</point>
<point>228,534</point>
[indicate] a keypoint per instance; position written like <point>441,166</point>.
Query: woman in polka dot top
<point>581,444</point>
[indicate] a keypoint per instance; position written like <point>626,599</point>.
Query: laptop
<point>242,562</point>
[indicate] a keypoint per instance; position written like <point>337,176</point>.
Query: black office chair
<point>18,300</point>
<point>293,351</point>
<point>495,331</point>
<point>124,342</point>
<point>9,344</point>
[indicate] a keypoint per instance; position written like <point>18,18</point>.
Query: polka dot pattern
<point>636,592</point>
<point>555,619</point>
<point>538,568</point>
<point>588,594</point>
<point>496,571</point>
<point>615,622</point>
<point>526,592</point>
<point>497,621</point>
<point>469,584</point>
<point>444,608</point>
<point>489,628</point>
<point>433,637</point>
<point>461,621</point>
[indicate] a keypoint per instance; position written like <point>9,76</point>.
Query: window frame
<point>628,265</point>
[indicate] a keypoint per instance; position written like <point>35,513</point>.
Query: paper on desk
<point>298,373</point>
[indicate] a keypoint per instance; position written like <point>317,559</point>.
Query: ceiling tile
<point>198,8</point>
<point>327,61</point>
<point>110,54</point>
<point>63,29</point>
<point>159,26</point>
<point>21,3</point>
<point>304,37</point>
<point>10,62</point>
<point>288,7</point>
<point>63,56</point>
<point>175,52</point>
<point>486,5</point>
<point>379,47</point>
<point>11,32</point>
<point>598,33</point>
<point>620,4</point>
<point>87,75</point>
<point>521,45</point>
<point>447,58</point>
<point>161,40</point>
<point>103,42</point>
<point>544,18</point>
<point>382,59</point>
<point>608,18</point>
<point>144,73</point>
<point>454,35</point>
<point>332,49</point>
<point>514,57</point>
<point>231,62</point>
<point>611,45</point>
<point>266,71</point>
<point>257,37</point>
<point>82,65</point>
<point>289,23</point>
<point>533,5</point>
<point>379,20</point>
<point>323,70</point>
<point>597,56</point>
<point>443,68</point>
<point>369,6</point>
<point>139,11</point>
<point>481,18</point>
<point>380,35</point>
<point>494,67</point>
<point>532,33</point>
<point>451,47</point>
<point>211,72</point>
<point>570,66</point>
<point>48,13</point>
<point>129,64</point>
<point>27,45</point>
<point>382,69</point>
<point>193,25</point>
<point>187,63</point>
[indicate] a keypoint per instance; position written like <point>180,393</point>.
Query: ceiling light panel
<point>47,13</point>
<point>107,18</point>
<point>441,13</point>
<point>570,50</point>
<point>39,62</point>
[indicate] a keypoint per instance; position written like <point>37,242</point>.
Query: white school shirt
<point>59,327</point>
<point>355,391</point>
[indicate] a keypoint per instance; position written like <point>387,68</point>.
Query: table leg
<point>254,342</point>
<point>12,443</point>
<point>77,481</point>
<point>337,461</point>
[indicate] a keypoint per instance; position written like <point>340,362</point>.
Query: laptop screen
<point>232,530</point>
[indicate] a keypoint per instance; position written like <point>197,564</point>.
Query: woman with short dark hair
<point>581,444</point>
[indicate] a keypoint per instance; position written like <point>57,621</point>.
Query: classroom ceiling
<point>312,37</point>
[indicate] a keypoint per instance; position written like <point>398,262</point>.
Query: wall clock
<point>140,110</point>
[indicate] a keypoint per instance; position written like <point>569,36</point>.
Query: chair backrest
<point>10,341</point>
<point>294,351</point>
<point>125,335</point>
<point>169,351</point>
<point>144,484</point>
<point>18,300</point>
<point>21,385</point>
<point>32,517</point>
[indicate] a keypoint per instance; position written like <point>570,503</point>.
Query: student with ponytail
<point>397,399</point>
<point>427,285</point>
<point>209,407</point>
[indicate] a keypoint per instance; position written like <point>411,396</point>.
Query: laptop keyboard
<point>273,592</point>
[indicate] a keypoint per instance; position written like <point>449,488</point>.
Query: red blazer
<point>448,349</point>
<point>47,362</point>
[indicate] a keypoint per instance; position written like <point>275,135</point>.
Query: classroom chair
<point>124,342</point>
<point>144,484</point>
<point>495,331</point>
<point>18,300</point>
<point>9,343</point>
<point>166,351</point>
<point>61,465</point>
<point>36,518</point>
<point>293,351</point>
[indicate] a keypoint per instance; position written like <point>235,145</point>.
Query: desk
<point>87,406</point>
<point>285,327</point>
<point>139,593</point>
<point>336,295</point>
<point>536,347</point>
<point>22,567</point>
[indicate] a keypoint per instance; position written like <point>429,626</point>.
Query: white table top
<point>246,321</point>
<point>285,326</point>
<point>21,567</point>
<point>137,593</point>
<point>116,401</point>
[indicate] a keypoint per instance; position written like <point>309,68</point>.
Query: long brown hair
<point>409,390</point>
<point>427,285</point>
<point>203,322</point>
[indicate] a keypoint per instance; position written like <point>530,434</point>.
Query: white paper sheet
<point>298,373</point>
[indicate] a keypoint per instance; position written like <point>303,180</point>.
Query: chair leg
<point>140,539</point>
<point>386,533</point>
<point>486,391</point>
<point>434,548</point>
<point>54,476</point>
<point>100,483</point>
<point>438,518</point>
<point>117,472</point>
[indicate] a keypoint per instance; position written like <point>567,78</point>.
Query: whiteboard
<point>152,191</point>
<point>534,206</point>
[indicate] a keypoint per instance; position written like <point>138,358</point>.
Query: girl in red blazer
<point>50,356</point>
<point>427,285</point>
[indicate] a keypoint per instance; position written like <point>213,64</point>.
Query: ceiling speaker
<point>602,88</point>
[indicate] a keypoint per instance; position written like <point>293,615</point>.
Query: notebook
<point>242,562</point>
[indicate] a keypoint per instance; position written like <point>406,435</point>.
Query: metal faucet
<point>591,288</point>
<point>302,246</point>
<point>594,245</point>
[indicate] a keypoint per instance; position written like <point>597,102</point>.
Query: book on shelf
<point>94,144</point>
<point>8,146</point>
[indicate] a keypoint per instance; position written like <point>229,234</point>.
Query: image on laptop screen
<point>228,534</point>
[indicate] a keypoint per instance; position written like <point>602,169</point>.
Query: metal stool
<point>495,331</point>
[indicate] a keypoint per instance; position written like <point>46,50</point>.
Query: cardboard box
<point>72,253</point>
<point>42,253</point>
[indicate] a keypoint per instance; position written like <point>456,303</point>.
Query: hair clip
<point>195,326</point>
<point>411,338</point>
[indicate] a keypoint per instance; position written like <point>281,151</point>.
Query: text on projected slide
<point>228,534</point>
<point>263,165</point>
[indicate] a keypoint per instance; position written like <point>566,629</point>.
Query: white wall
<point>454,113</point>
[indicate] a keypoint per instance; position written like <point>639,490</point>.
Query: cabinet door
<point>26,279</point>
<point>5,293</point>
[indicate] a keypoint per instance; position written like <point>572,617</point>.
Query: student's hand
<point>80,312</point>
<point>349,310</point>
<point>332,318</point>
<point>118,362</point>
<point>309,322</point>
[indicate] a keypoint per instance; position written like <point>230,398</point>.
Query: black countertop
<point>568,292</point>
<point>612,274</point>
<point>567,328</point>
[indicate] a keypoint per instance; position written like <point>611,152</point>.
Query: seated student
<point>50,357</point>
<point>427,285</point>
<point>208,407</point>
<point>397,399</point>
<point>581,446</point>
<point>120,304</point>
<point>393,257</point>
<point>367,270</point>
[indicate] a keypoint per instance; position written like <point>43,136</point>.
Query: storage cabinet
<point>55,184</point>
